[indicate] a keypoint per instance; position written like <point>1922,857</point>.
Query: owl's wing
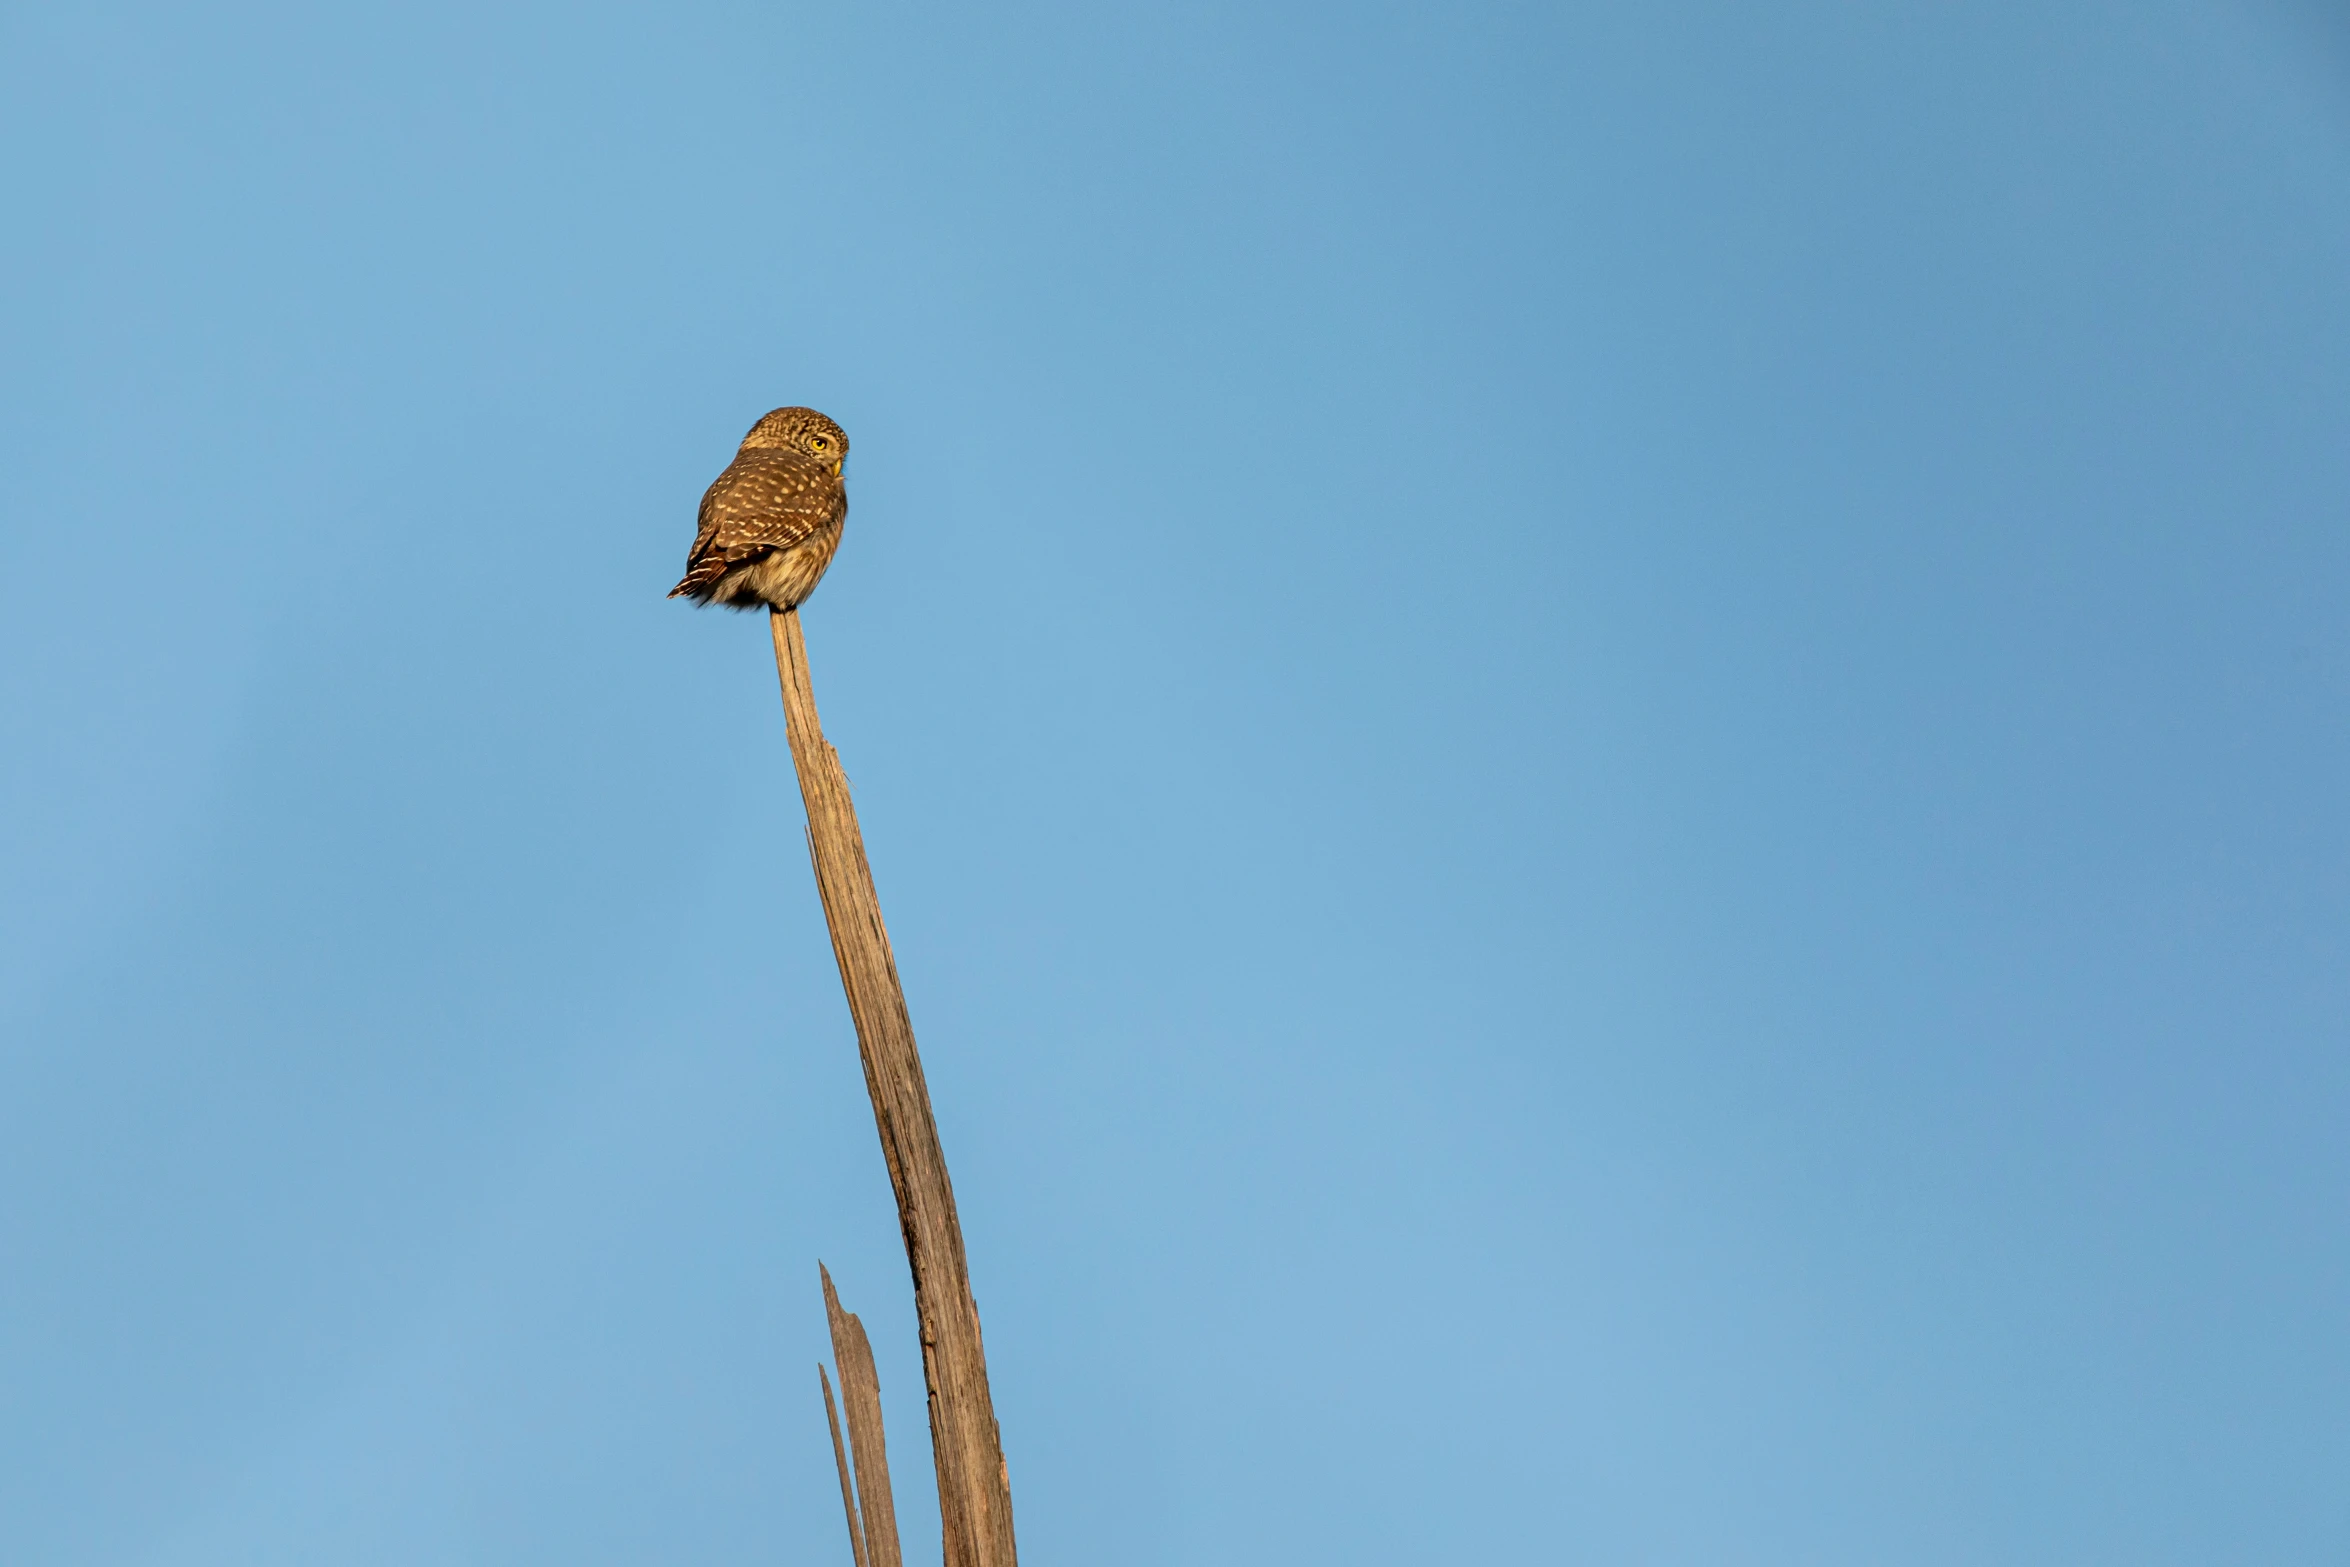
<point>705,524</point>
<point>764,501</point>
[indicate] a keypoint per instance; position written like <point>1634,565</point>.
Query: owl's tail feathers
<point>701,579</point>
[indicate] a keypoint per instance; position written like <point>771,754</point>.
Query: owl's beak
<point>838,463</point>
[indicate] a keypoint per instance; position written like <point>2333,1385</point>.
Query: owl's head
<point>801,430</point>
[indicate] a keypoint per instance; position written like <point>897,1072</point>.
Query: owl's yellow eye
<point>819,441</point>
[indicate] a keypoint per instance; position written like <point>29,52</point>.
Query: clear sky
<point>1610,747</point>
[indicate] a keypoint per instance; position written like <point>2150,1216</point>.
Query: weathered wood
<point>840,1461</point>
<point>860,1389</point>
<point>974,1486</point>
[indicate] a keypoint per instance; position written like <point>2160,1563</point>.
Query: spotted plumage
<point>770,523</point>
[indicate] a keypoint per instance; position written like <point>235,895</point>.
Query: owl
<point>771,521</point>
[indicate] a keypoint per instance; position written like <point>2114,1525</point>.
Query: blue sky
<point>1607,745</point>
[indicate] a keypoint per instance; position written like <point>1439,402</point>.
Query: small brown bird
<point>770,523</point>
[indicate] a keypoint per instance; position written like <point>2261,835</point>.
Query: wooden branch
<point>974,1487</point>
<point>840,1461</point>
<point>860,1389</point>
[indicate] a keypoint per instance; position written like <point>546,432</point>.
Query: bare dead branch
<point>974,1486</point>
